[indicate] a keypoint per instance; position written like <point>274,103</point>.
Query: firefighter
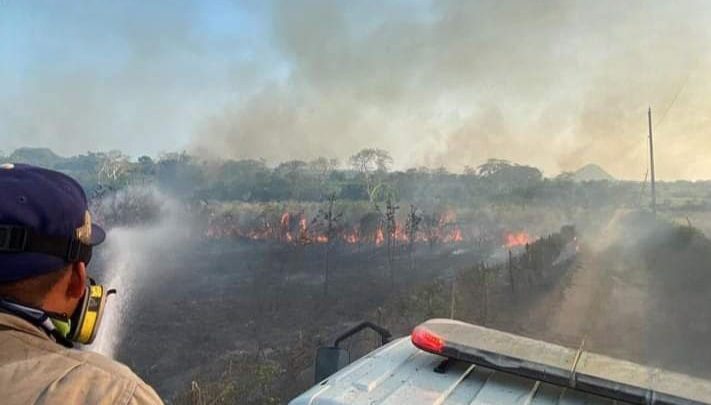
<point>47,301</point>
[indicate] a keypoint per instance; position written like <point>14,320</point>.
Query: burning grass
<point>360,225</point>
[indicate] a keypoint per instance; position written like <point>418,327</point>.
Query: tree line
<point>366,176</point>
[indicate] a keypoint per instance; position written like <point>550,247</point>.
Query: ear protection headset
<point>86,319</point>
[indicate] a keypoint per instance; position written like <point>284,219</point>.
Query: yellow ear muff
<point>91,310</point>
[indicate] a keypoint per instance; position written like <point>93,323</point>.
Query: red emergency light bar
<point>426,340</point>
<point>589,372</point>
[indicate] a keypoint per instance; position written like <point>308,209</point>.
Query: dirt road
<point>615,303</point>
<point>601,305</point>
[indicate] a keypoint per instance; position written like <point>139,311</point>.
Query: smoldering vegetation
<point>235,260</point>
<point>232,273</point>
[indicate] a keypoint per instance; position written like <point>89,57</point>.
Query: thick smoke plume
<point>556,84</point>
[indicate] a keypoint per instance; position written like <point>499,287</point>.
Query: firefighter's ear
<point>77,280</point>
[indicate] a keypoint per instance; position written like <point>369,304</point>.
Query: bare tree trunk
<point>511,276</point>
<point>412,256</point>
<point>326,271</point>
<point>390,262</point>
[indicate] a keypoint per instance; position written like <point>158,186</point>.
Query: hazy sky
<point>555,84</point>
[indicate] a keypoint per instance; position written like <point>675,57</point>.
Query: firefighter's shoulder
<point>35,369</point>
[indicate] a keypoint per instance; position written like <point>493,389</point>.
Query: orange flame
<point>454,236</point>
<point>517,239</point>
<point>379,237</point>
<point>294,228</point>
<point>351,237</point>
<point>285,226</point>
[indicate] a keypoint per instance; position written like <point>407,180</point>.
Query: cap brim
<point>98,235</point>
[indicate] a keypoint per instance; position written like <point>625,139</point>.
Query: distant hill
<point>591,172</point>
<point>43,157</point>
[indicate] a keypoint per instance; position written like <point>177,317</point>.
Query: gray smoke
<point>556,84</point>
<point>553,83</point>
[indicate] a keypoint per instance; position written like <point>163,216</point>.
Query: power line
<point>678,92</point>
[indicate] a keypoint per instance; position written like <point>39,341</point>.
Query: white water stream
<point>130,252</point>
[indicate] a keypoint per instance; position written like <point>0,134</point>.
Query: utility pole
<point>651,163</point>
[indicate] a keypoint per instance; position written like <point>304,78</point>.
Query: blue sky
<point>123,75</point>
<point>556,84</point>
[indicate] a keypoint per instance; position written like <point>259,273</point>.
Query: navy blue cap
<point>49,203</point>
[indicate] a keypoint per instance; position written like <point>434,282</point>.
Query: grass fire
<point>270,268</point>
<point>271,174</point>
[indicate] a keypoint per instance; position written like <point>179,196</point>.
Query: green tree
<point>371,164</point>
